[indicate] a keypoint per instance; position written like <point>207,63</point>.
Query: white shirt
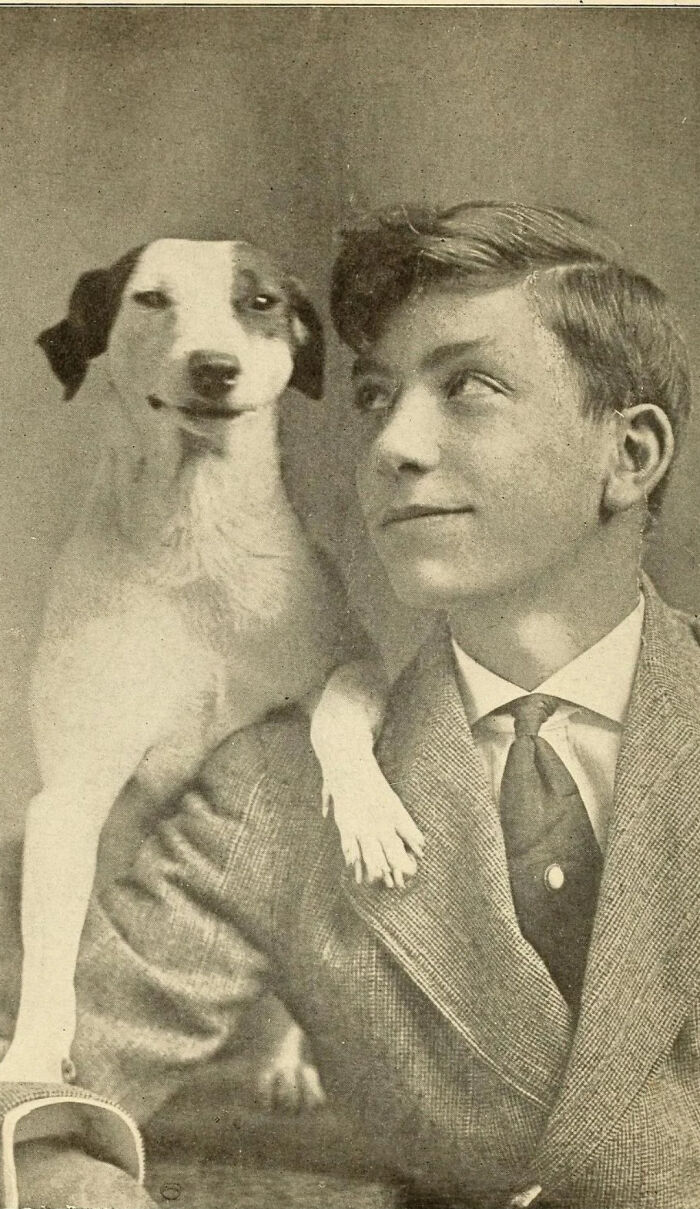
<point>586,728</point>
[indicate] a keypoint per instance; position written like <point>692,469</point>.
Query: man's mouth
<point>412,512</point>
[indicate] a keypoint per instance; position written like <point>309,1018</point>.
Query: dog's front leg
<point>378,836</point>
<point>60,853</point>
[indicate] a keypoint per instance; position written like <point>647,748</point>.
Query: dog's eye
<point>264,302</point>
<point>155,300</point>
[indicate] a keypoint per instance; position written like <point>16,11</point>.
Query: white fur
<point>187,604</point>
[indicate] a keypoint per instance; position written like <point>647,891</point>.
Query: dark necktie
<point>554,860</point>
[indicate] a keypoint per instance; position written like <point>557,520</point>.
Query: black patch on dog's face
<point>268,302</point>
<point>309,353</point>
<point>84,333</point>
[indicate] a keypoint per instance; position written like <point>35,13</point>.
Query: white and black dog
<point>189,601</point>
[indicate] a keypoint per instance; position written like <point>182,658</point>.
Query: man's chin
<point>430,585</point>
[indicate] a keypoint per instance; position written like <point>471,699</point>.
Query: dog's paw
<point>378,837</point>
<point>291,1087</point>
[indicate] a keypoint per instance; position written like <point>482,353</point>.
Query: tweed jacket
<point>431,1018</point>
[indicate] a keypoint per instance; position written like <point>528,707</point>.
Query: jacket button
<point>554,877</point>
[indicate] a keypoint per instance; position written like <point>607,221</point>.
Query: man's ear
<point>309,342</point>
<point>84,333</point>
<point>644,452</point>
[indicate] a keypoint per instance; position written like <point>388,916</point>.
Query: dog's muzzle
<point>213,377</point>
<point>213,374</point>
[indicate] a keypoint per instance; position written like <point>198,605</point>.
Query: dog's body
<point>189,601</point>
<point>233,618</point>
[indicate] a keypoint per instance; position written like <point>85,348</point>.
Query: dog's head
<point>194,330</point>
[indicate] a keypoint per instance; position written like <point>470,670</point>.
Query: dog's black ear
<point>84,333</point>
<point>65,355</point>
<point>70,344</point>
<point>309,343</point>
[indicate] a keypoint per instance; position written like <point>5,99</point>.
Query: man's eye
<point>468,381</point>
<point>373,397</point>
<point>153,300</point>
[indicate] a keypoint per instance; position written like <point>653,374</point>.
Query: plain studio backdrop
<point>121,125</point>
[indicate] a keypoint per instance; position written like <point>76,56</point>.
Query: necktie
<point>554,861</point>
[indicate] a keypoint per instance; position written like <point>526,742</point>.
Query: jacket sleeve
<point>164,972</point>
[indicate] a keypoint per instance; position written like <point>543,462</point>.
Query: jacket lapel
<point>454,929</point>
<point>644,962</point>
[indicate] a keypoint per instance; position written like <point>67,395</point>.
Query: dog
<point>189,601</point>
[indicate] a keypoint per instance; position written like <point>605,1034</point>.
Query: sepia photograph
<point>349,614</point>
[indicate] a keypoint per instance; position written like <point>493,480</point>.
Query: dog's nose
<point>213,374</point>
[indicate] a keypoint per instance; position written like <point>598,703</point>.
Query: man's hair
<point>616,325</point>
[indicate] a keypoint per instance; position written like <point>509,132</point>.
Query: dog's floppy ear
<point>70,344</point>
<point>84,333</point>
<point>309,342</point>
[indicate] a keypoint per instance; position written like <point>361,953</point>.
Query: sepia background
<point>119,125</point>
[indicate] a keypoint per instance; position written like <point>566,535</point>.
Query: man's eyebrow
<point>446,353</point>
<point>442,355</point>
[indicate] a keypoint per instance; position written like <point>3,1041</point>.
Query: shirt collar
<point>599,679</point>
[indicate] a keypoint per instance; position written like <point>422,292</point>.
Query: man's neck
<point>528,635</point>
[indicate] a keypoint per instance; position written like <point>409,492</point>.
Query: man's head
<point>518,380</point>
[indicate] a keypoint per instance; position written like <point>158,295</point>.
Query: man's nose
<point>409,439</point>
<point>212,373</point>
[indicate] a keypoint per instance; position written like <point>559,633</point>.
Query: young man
<point>522,1024</point>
